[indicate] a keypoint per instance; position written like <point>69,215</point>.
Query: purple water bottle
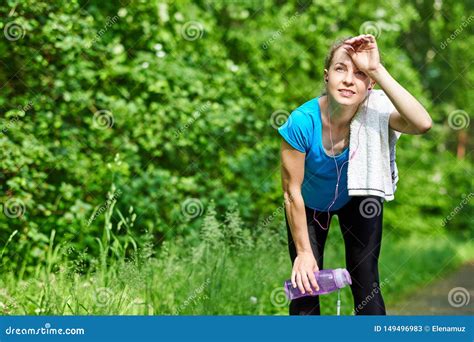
<point>328,281</point>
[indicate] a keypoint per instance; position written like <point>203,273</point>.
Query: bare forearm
<point>405,103</point>
<point>296,215</point>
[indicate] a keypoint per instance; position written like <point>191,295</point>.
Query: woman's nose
<point>349,78</point>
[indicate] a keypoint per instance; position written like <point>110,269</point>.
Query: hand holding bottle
<point>302,274</point>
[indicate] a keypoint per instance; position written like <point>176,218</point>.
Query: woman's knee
<point>308,305</point>
<point>367,293</point>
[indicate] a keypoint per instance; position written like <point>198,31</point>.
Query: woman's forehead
<point>341,56</point>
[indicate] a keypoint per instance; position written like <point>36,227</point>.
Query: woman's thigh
<point>361,223</point>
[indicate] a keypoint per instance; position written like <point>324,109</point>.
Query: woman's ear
<point>326,75</point>
<point>371,85</point>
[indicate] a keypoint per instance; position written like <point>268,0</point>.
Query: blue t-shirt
<point>303,131</point>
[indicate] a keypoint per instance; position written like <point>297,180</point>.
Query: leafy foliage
<point>124,94</point>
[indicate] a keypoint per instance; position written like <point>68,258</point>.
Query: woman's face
<point>345,83</point>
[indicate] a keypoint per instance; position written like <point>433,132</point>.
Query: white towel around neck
<point>372,169</point>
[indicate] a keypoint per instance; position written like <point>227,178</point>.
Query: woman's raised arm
<point>410,117</point>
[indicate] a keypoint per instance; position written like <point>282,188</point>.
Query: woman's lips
<point>346,93</point>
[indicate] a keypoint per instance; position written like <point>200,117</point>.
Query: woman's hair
<point>328,60</point>
<point>336,45</point>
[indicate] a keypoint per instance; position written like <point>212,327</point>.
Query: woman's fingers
<point>302,274</point>
<point>370,37</point>
<point>353,40</point>
<point>303,283</point>
<point>357,46</point>
<point>349,49</point>
<point>298,281</point>
<point>363,36</point>
<point>312,280</point>
<point>362,39</point>
<point>354,45</point>
<point>306,283</point>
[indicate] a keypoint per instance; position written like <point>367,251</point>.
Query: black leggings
<point>361,226</point>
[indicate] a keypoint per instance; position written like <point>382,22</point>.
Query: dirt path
<point>453,295</point>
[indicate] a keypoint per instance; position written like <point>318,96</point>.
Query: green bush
<point>175,101</point>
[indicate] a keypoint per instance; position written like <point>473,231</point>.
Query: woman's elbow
<point>426,126</point>
<point>291,195</point>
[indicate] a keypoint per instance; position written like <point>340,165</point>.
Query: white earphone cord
<point>337,169</point>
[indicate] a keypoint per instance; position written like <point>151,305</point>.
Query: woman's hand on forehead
<point>356,42</point>
<point>363,51</point>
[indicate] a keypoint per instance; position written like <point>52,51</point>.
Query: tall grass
<point>226,271</point>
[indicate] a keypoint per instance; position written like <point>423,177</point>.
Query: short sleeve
<point>381,102</point>
<point>390,108</point>
<point>386,109</point>
<point>298,131</point>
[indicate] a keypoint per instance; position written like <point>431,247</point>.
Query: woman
<point>320,129</point>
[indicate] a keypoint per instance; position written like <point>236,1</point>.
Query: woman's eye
<point>338,68</point>
<point>360,73</point>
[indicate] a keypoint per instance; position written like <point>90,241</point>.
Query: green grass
<point>225,273</point>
